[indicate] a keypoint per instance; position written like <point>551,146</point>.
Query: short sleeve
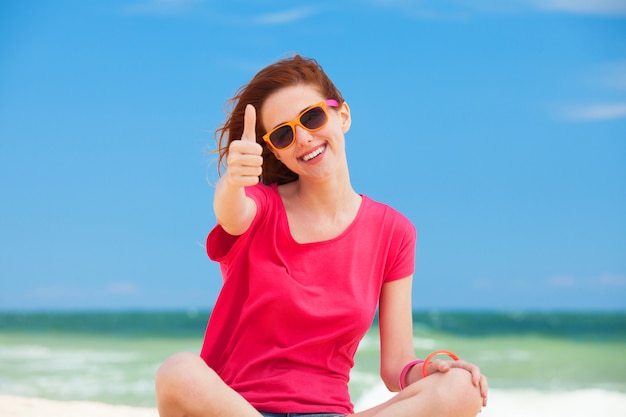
<point>402,256</point>
<point>219,243</point>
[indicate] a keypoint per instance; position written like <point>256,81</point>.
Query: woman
<point>306,260</point>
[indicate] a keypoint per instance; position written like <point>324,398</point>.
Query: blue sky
<point>499,130</point>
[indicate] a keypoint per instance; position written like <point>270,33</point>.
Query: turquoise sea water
<point>112,357</point>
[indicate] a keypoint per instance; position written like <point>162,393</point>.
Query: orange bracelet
<point>430,357</point>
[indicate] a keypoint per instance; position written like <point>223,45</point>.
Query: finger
<point>476,375</point>
<point>440,366</point>
<point>244,147</point>
<point>249,124</point>
<point>243,161</point>
<point>484,392</point>
<point>484,386</point>
<point>244,179</point>
<point>472,369</point>
<point>484,389</point>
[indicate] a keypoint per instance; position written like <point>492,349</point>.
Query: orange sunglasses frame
<point>296,122</point>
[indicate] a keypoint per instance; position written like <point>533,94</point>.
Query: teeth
<point>313,154</point>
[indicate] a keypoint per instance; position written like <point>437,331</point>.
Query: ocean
<point>112,357</point>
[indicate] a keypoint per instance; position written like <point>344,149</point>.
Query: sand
<point>11,406</point>
<point>583,403</point>
<point>502,403</point>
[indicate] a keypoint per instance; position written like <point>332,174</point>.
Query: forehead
<point>287,103</point>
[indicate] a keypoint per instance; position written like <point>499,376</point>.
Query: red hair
<point>284,73</point>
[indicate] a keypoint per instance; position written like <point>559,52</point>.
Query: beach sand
<point>11,406</point>
<point>582,403</point>
<point>502,403</point>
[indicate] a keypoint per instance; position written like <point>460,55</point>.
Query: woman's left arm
<point>395,321</point>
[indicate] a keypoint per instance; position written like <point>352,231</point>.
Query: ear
<point>346,119</point>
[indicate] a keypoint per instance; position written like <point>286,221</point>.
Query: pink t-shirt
<point>287,323</point>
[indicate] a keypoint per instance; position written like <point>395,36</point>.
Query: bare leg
<point>187,387</point>
<point>440,395</point>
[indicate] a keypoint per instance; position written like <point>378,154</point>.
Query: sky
<point>498,129</point>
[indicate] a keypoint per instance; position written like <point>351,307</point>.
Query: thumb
<point>249,123</point>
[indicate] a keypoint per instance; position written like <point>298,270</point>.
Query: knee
<point>174,367</point>
<point>455,393</point>
<point>186,385</point>
<point>175,375</point>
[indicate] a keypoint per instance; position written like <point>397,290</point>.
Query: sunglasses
<point>312,119</point>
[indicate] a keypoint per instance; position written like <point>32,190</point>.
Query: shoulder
<point>266,197</point>
<point>386,215</point>
<point>219,242</point>
<point>261,192</point>
<point>395,238</point>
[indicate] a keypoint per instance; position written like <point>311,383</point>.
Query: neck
<point>319,210</point>
<point>332,194</point>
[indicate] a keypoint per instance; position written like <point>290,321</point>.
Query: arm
<point>233,209</point>
<point>395,319</point>
<point>396,341</point>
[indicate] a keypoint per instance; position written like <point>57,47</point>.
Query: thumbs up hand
<point>244,161</point>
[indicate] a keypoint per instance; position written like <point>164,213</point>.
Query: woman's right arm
<point>233,209</point>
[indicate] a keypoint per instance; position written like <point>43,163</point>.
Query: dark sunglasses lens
<point>282,137</point>
<point>314,118</point>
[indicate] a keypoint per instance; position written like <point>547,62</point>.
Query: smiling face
<point>316,153</point>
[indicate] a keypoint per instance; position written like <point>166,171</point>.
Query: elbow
<point>390,379</point>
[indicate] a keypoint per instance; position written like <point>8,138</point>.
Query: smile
<point>313,154</point>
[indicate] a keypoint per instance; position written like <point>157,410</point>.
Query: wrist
<point>430,357</point>
<point>406,370</point>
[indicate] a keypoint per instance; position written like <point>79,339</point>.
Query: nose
<point>303,136</point>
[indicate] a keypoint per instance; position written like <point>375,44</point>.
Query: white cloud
<point>592,7</point>
<point>122,288</point>
<point>424,9</point>
<point>593,112</point>
<point>561,281</point>
<point>613,281</point>
<point>465,8</point>
<point>613,75</point>
<point>287,16</point>
<point>607,79</point>
<point>73,292</point>
<point>606,281</point>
